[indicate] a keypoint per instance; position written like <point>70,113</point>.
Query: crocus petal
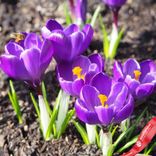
<point>53,25</point>
<point>150,77</point>
<point>64,70</point>
<point>93,67</point>
<point>13,67</point>
<point>45,32</point>
<point>90,97</point>
<point>97,59</point>
<point>88,31</point>
<point>147,67</point>
<point>105,115</point>
<point>132,84</point>
<point>61,45</point>
<point>31,59</point>
<point>13,49</point>
<point>66,86</point>
<point>117,71</point>
<point>32,41</point>
<point>130,66</point>
<point>76,86</point>
<point>126,111</point>
<point>71,29</point>
<point>46,55</point>
<point>118,95</point>
<point>88,77</point>
<point>76,38</point>
<point>84,114</point>
<point>102,82</point>
<point>82,62</point>
<point>144,90</point>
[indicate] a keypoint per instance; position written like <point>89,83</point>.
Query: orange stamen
<point>78,72</point>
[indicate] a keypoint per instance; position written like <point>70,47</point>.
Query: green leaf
<point>45,99</point>
<point>113,53</point>
<point>14,101</point>
<point>95,15</point>
<point>105,39</point>
<point>35,105</point>
<point>52,126</point>
<point>136,123</point>
<point>67,15</point>
<point>62,110</point>
<point>66,122</point>
<point>151,148</point>
<point>97,137</point>
<point>82,132</point>
<point>114,130</point>
<point>130,143</point>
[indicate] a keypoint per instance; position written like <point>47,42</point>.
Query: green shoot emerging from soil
<point>15,103</point>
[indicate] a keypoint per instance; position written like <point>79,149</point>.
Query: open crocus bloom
<point>140,78</point>
<point>72,76</point>
<point>26,58</point>
<point>104,101</point>
<point>67,43</point>
<point>115,3</point>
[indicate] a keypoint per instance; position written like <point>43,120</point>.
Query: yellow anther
<point>106,106</point>
<point>137,74</point>
<point>103,99</point>
<point>78,72</point>
<point>17,36</point>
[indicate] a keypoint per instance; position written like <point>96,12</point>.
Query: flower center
<point>103,99</point>
<point>137,74</point>
<point>78,72</point>
<point>17,36</point>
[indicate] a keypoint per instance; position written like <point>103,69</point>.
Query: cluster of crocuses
<point>100,98</point>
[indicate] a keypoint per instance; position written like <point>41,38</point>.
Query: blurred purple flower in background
<point>67,43</point>
<point>140,78</point>
<point>115,6</point>
<point>104,101</point>
<point>115,3</point>
<point>72,76</point>
<point>78,10</point>
<point>26,58</point>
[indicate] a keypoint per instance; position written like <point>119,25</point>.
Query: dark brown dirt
<point>139,20</point>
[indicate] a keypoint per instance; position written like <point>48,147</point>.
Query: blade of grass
<point>130,143</point>
<point>105,38</point>
<point>151,148</point>
<point>45,98</point>
<point>66,122</point>
<point>14,101</point>
<point>82,132</point>
<point>136,123</point>
<point>67,15</point>
<point>54,116</point>
<point>113,54</point>
<point>35,105</point>
<point>95,15</point>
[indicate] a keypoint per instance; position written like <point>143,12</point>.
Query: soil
<point>139,20</point>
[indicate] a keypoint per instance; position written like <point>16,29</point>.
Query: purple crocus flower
<point>78,9</point>
<point>67,43</point>
<point>104,101</point>
<point>26,58</point>
<point>115,3</point>
<point>72,76</point>
<point>115,6</point>
<point>140,78</point>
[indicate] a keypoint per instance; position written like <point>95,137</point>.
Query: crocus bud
<point>115,4</point>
